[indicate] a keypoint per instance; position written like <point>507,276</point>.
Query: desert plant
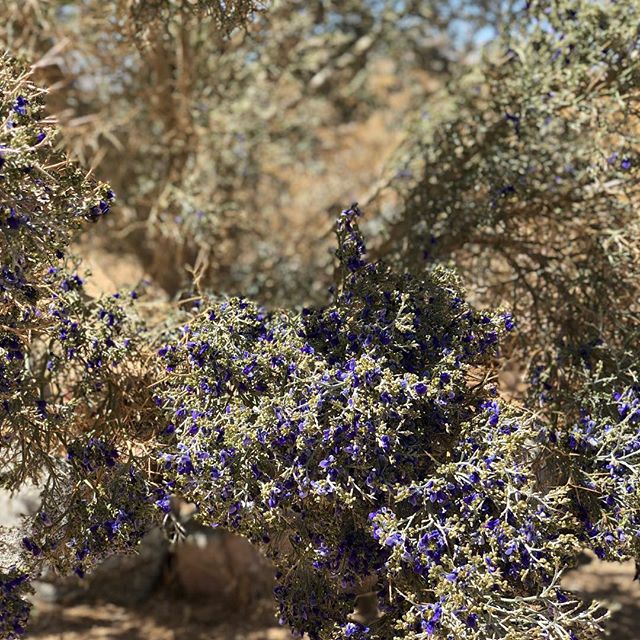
<point>531,188</point>
<point>361,442</point>
<point>202,131</point>
<point>69,375</point>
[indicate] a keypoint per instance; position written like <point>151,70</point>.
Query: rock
<point>130,579</point>
<point>13,507</point>
<point>224,568</point>
<point>271,633</point>
<point>125,580</point>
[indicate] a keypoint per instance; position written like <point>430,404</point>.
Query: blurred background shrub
<point>227,149</point>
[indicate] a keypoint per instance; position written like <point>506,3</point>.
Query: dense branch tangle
<point>532,189</point>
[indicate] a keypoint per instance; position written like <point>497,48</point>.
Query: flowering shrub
<point>531,187</point>
<point>361,444</point>
<point>67,387</point>
<point>14,609</point>
<point>483,543</point>
<point>600,462</point>
<point>351,444</point>
<point>45,200</point>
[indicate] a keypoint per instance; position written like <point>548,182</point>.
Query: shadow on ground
<point>612,584</point>
<point>165,617</point>
<point>162,618</point>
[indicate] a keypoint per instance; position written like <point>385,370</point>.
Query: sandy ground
<point>165,617</point>
<point>162,618</point>
<point>613,585</point>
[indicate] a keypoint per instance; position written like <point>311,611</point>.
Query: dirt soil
<point>614,586</point>
<point>165,617</point>
<point>162,618</point>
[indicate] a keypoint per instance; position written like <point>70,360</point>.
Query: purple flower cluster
<point>40,211</point>
<point>92,455</point>
<point>74,530</point>
<point>603,450</point>
<point>14,608</point>
<point>481,535</point>
<point>66,366</point>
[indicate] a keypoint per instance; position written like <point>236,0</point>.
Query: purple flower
<point>20,106</point>
<point>393,539</point>
<point>31,546</point>
<point>355,628</point>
